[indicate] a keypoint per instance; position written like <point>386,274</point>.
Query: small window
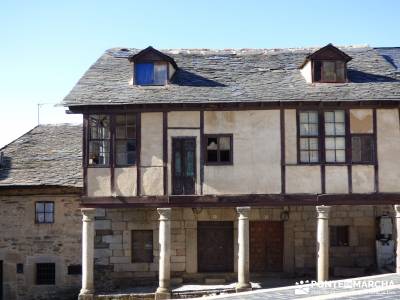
<point>44,212</point>
<point>20,268</point>
<point>329,71</point>
<point>309,142</point>
<point>339,236</point>
<point>362,148</point>
<point>45,273</point>
<point>125,133</point>
<point>335,132</point>
<point>142,246</point>
<point>151,73</point>
<point>219,149</point>
<point>75,270</point>
<point>99,139</point>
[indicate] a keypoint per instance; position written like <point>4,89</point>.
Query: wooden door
<point>184,166</point>
<point>266,246</point>
<point>215,246</point>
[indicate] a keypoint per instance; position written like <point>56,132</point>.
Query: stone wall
<point>22,241</point>
<point>114,267</point>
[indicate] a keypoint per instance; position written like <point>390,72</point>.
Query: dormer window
<point>154,73</point>
<point>328,64</point>
<point>152,67</point>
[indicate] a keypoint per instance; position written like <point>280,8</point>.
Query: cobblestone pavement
<point>377,287</point>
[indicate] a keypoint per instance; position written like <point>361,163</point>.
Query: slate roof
<point>247,75</point>
<point>392,55</point>
<point>48,155</point>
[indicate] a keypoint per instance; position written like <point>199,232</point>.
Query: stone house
<point>231,163</point>
<point>40,220</point>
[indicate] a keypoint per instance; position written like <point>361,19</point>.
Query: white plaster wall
<point>336,179</point>
<point>151,139</point>
<point>256,152</point>
<point>184,133</point>
<point>152,183</point>
<point>303,179</point>
<point>306,72</point>
<point>363,177</point>
<point>184,119</point>
<point>388,132</point>
<point>99,182</point>
<point>125,181</point>
<point>290,136</point>
<point>361,121</point>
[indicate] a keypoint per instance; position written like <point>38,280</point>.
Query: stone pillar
<point>323,243</point>
<point>397,210</point>
<point>244,250</point>
<point>163,290</point>
<point>87,290</point>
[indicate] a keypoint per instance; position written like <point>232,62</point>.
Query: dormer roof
<point>151,54</point>
<point>328,52</point>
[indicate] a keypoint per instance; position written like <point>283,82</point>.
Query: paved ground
<point>379,287</point>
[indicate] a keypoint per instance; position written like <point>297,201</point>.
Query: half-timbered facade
<point>236,162</point>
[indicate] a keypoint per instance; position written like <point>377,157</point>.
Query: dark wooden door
<point>266,246</point>
<point>215,246</point>
<point>183,166</point>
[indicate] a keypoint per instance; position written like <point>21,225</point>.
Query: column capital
<point>323,211</point>
<point>88,214</point>
<point>243,211</point>
<point>397,210</point>
<point>165,213</point>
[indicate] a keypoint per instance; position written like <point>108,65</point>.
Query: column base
<point>243,287</point>
<point>162,293</point>
<point>85,296</point>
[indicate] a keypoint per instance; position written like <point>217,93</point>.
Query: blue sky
<point>47,45</point>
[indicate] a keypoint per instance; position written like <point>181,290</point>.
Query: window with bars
<point>335,142</point>
<point>362,148</point>
<point>309,136</point>
<point>125,135</point>
<point>44,212</point>
<point>142,246</point>
<point>99,140</point>
<point>219,149</point>
<point>45,273</point>
<point>339,236</point>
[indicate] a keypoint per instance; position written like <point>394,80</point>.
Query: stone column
<point>244,249</point>
<point>163,290</point>
<point>397,210</point>
<point>323,243</point>
<point>87,290</point>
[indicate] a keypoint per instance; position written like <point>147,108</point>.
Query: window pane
<point>131,132</point>
<point>144,73</point>
<point>39,207</point>
<point>49,217</point>
<point>212,144</point>
<point>224,143</point>
<point>131,145</point>
<point>131,119</point>
<point>340,71</point>
<point>340,156</point>
<point>99,152</point>
<point>131,158</point>
<point>40,217</point>
<point>120,132</point>
<point>189,164</point>
<point>317,71</point>
<point>314,156</point>
<point>304,144</point>
<point>330,143</point>
<point>160,73</point>
<point>49,207</point>
<point>313,129</point>
<point>304,157</point>
<point>339,129</point>
<point>304,129</point>
<point>120,120</point>
<point>225,155</point>
<point>339,116</point>
<point>330,155</point>
<point>329,128</point>
<point>212,155</point>
<point>178,168</point>
<point>122,158</point>
<point>340,143</point>
<point>303,117</point>
<point>328,71</point>
<point>312,117</point>
<point>329,116</point>
<point>313,142</point>
<point>356,149</point>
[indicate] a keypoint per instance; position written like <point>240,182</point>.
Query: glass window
<point>45,273</point>
<point>362,148</point>
<point>151,73</point>
<point>219,149</point>
<point>142,246</point>
<point>335,145</point>
<point>44,212</point>
<point>329,71</point>
<point>125,134</point>
<point>99,140</point>
<point>309,142</point>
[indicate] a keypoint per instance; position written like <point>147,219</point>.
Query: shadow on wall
<point>362,77</point>
<point>5,166</point>
<point>186,78</point>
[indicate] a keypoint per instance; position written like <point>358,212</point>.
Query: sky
<point>46,46</point>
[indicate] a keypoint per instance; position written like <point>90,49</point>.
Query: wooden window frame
<point>364,162</point>
<point>344,136</point>
<point>150,62</point>
<point>44,212</point>
<point>89,139</point>
<point>322,80</point>
<point>218,162</point>
<point>112,161</point>
<point>334,239</point>
<point>41,281</point>
<point>318,137</point>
